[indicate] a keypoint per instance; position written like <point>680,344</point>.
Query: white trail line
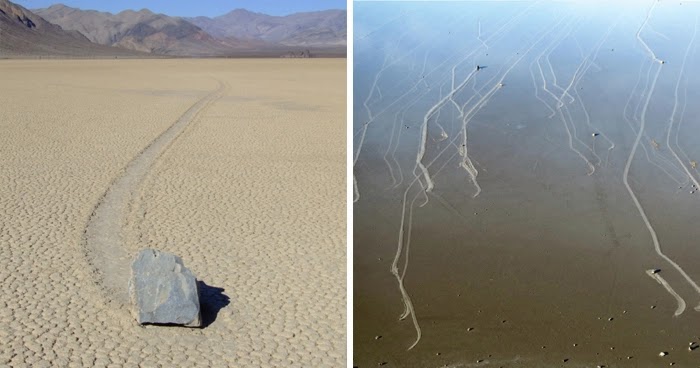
<point>550,47</point>
<point>653,30</point>
<point>629,122</point>
<point>682,115</point>
<point>424,130</point>
<point>639,32</point>
<point>560,104</point>
<point>591,62</point>
<point>103,233</point>
<point>478,37</point>
<point>681,303</point>
<point>386,154</point>
<point>534,83</point>
<point>657,246</point>
<point>400,16</point>
<point>675,108</point>
<point>406,298</point>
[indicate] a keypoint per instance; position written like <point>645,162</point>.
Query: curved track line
<point>634,117</point>
<point>675,108</point>
<point>639,33</point>
<point>681,303</point>
<point>657,246</point>
<point>103,232</point>
<point>682,116</point>
<point>424,130</point>
<point>404,242</point>
<point>642,213</point>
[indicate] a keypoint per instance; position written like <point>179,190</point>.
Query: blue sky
<point>210,8</point>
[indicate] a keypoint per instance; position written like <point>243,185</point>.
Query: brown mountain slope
<point>321,29</point>
<point>23,33</point>
<point>138,30</point>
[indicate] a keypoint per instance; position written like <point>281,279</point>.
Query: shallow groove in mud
<point>103,233</point>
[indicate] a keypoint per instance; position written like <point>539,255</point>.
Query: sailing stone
<point>163,290</point>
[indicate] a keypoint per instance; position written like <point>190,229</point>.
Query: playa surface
<point>237,166</point>
<point>540,210</point>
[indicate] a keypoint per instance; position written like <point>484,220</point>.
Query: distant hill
<point>319,29</point>
<point>60,30</point>
<point>140,30</point>
<point>25,34</point>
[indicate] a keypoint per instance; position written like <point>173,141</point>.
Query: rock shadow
<point>211,300</point>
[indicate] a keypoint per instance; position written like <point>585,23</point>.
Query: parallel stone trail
<point>675,109</point>
<point>103,233</point>
<point>394,269</point>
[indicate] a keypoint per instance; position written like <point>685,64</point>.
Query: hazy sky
<point>188,8</point>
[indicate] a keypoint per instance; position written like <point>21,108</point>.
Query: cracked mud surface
<point>250,193</point>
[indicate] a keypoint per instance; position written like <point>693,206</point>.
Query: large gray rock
<point>162,290</point>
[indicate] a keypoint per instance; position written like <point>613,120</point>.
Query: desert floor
<point>241,172</point>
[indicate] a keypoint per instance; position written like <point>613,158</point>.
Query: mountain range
<point>25,34</point>
<point>322,28</point>
<point>63,30</point>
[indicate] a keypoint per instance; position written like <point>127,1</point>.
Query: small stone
<point>629,357</point>
<point>382,363</point>
<point>378,337</point>
<point>610,319</point>
<point>470,328</point>
<point>163,291</point>
<point>663,353</point>
<point>479,360</point>
<point>655,271</point>
<point>653,306</point>
<point>565,360</point>
<point>575,344</point>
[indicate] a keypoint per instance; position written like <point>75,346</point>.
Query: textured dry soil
<point>249,190</point>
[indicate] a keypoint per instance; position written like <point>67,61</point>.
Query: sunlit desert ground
<point>526,184</point>
<point>242,175</point>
